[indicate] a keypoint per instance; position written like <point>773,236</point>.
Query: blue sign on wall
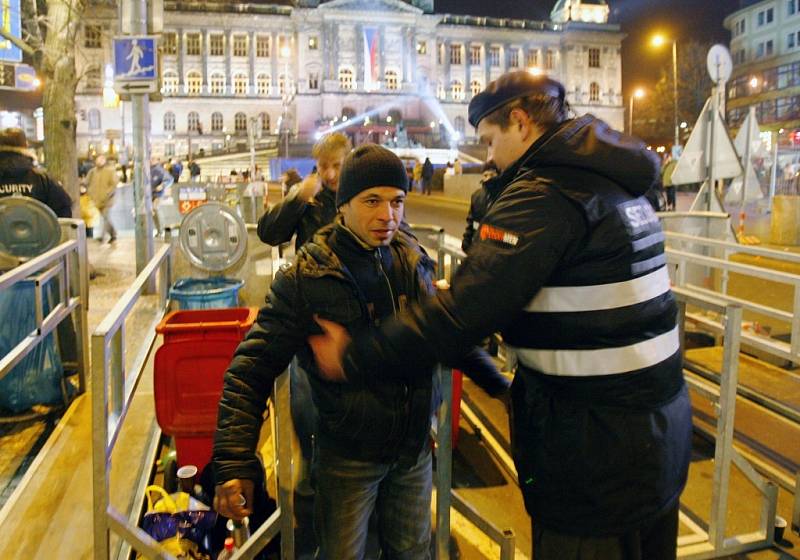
<point>25,77</point>
<point>135,59</point>
<point>11,23</point>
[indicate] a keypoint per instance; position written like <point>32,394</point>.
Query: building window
<point>94,119</point>
<point>193,121</point>
<point>262,46</point>
<point>217,84</point>
<point>93,79</point>
<point>283,47</point>
<point>216,122</point>
<point>455,54</point>
<point>594,92</point>
<point>549,60</point>
<point>457,90</point>
<point>169,150</point>
<point>391,79</point>
<point>313,43</point>
<point>440,53</point>
<point>263,84</point>
<point>169,121</point>
<point>240,123</point>
<point>93,37</point>
<point>768,48</point>
<point>790,41</point>
<point>240,45</point>
<point>169,83</point>
<point>475,55</point>
<point>791,7</point>
<point>264,117</point>
<point>513,58</point>
<point>193,44</point>
<point>422,47</point>
<point>440,92</point>
<point>769,15</point>
<point>169,41</point>
<point>532,60</point>
<point>494,56</point>
<point>594,58</point>
<point>345,78</point>
<point>313,80</point>
<point>765,16</point>
<point>240,84</point>
<point>475,87</point>
<point>193,83</point>
<point>216,45</point>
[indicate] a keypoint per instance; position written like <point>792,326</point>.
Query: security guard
<point>569,265</point>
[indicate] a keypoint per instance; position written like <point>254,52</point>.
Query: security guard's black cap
<point>509,87</point>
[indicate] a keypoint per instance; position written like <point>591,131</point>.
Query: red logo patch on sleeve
<point>497,234</point>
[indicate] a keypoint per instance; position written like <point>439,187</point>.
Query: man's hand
<point>309,188</point>
<point>234,498</point>
<point>329,349</point>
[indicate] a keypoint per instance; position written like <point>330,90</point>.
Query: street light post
<point>638,93</point>
<point>657,41</point>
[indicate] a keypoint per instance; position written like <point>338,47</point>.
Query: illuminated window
<point>193,121</point>
<point>391,79</point>
<point>475,55</point>
<point>262,46</point>
<point>216,44</point>
<point>93,37</point>
<point>594,92</point>
<point>217,84</point>
<point>240,123</point>
<point>457,90</point>
<point>240,45</point>
<point>169,121</point>
<point>169,42</point>
<point>475,87</point>
<point>594,58</point>
<point>494,56</point>
<point>216,122</point>
<point>193,44</point>
<point>193,83</point>
<point>313,43</point>
<point>263,84</point>
<point>240,84</point>
<point>455,54</point>
<point>345,78</point>
<point>264,117</point>
<point>169,83</point>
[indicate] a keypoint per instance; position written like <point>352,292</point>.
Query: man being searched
<point>311,204</point>
<point>19,176</point>
<point>569,265</point>
<point>372,450</point>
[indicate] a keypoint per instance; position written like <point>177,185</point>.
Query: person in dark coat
<point>312,203</point>
<point>427,176</point>
<point>372,449</point>
<point>18,175</point>
<point>569,265</point>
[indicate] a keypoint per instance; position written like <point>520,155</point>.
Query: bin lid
<point>28,227</point>
<point>213,237</point>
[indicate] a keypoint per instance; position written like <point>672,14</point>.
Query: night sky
<point>699,20</point>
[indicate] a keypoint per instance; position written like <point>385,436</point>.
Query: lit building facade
<point>314,65</point>
<point>765,47</point>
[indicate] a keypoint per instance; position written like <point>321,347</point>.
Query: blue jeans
<point>347,491</point>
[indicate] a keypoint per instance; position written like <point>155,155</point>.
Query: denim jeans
<point>347,491</point>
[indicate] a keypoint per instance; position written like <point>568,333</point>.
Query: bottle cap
<point>228,543</point>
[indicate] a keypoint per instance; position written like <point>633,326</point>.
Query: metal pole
<point>141,157</point>
<point>712,120</point>
<point>773,176</point>
<point>675,90</point>
<point>630,115</point>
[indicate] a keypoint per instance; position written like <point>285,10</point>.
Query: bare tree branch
<point>17,42</point>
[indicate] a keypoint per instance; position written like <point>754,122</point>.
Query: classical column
<point>228,55</point>
<point>446,71</point>
<point>381,45</point>
<point>181,54</point>
<point>487,63</point>
<point>359,46</point>
<point>251,51</point>
<point>335,50</point>
<point>273,51</point>
<point>205,49</point>
<point>467,70</point>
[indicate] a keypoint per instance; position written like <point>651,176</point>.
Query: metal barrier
<point>449,256</point>
<point>113,390</point>
<point>713,543</point>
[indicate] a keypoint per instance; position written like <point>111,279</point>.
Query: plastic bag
<point>183,532</point>
<point>38,378</point>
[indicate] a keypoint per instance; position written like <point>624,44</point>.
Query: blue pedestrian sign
<point>135,64</point>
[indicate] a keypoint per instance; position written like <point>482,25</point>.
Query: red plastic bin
<point>188,372</point>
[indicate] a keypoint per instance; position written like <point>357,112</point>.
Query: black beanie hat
<point>369,166</point>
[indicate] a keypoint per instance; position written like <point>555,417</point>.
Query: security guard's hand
<point>234,498</point>
<point>329,349</point>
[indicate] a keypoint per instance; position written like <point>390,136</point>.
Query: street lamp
<point>638,93</point>
<point>658,41</point>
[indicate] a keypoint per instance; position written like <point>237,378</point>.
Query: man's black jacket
<point>379,420</point>
<point>18,176</point>
<point>294,215</point>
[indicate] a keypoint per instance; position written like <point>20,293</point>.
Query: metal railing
<point>449,256</point>
<point>68,263</point>
<point>713,543</point>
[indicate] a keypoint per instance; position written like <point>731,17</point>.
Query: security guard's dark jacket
<point>478,207</point>
<point>18,176</point>
<point>294,215</point>
<point>338,278</point>
<point>568,264</point>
